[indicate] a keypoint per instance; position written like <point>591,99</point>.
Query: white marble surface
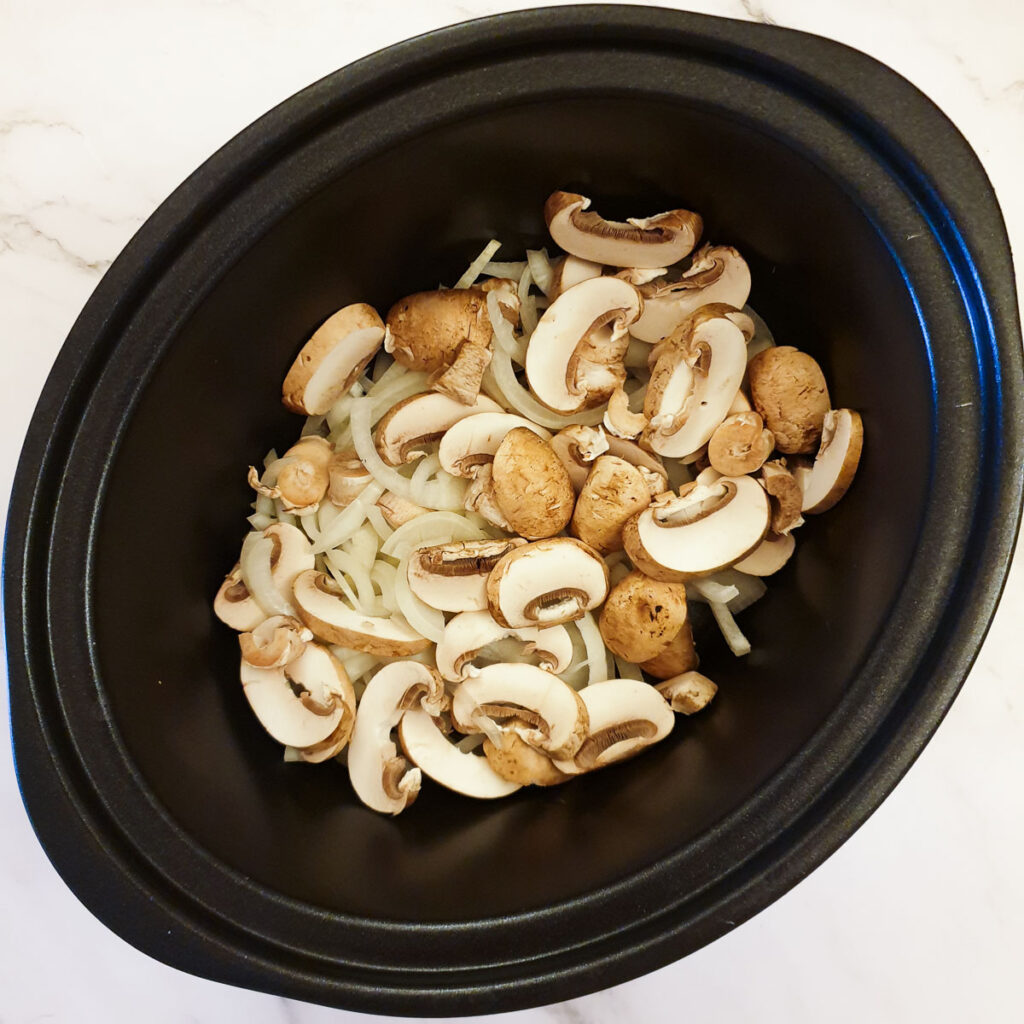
<point>104,108</point>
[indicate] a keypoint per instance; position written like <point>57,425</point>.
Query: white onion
<point>254,563</point>
<point>355,663</point>
<point>527,309</point>
<point>345,524</point>
<point>269,458</point>
<point>710,592</point>
<point>426,467</point>
<point>597,653</point>
<point>427,530</point>
<point>346,588</point>
<point>738,643</point>
<point>347,563</point>
<point>427,621</point>
<point>627,670</point>
<point>748,588</point>
<point>637,354</point>
<point>384,576</point>
<point>376,519</point>
<point>474,269</point>
<point>259,521</point>
<point>540,268</point>
<point>312,425</point>
<point>283,515</point>
<point>363,545</point>
<point>504,336</point>
<point>495,269</point>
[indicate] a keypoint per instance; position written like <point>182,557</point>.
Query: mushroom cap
<point>481,499</point>
<point>614,491</point>
<point>785,496</point>
<point>836,463</point>
<point>574,357</point>
<point>453,577</point>
<point>518,762</point>
<point>769,556</point>
<point>740,444</point>
<point>688,692</point>
<point>274,642</point>
<point>641,616</point>
<point>657,241</point>
<point>472,441</point>
<point>531,485</point>
<point>425,330</point>
<point>382,779</point>
<point>789,390</point>
<point>427,747</point>
<point>462,380</point>
<point>696,375</point>
<point>348,478</point>
<point>234,605</point>
<point>707,528</point>
<point>679,656</point>
<point>331,361</point>
<point>398,511</point>
<point>305,474</point>
<point>625,716</point>
<point>538,706</point>
<point>303,703</point>
<point>469,632</point>
<point>569,271</point>
<point>416,421</point>
<point>718,274</point>
<point>323,609</point>
<point>546,583</point>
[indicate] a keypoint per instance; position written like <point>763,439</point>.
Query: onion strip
<point>738,643</point>
<point>504,337</point>
<point>540,268</point>
<point>342,527</point>
<point>429,529</point>
<point>597,653</point>
<point>427,621</point>
<point>475,268</point>
<point>254,563</point>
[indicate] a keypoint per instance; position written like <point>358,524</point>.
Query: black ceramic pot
<point>875,243</point>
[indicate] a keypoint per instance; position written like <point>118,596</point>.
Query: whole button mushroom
<point>614,491</point>
<point>788,389</point>
<point>425,330</point>
<point>531,485</point>
<point>641,616</point>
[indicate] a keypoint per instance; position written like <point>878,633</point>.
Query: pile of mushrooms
<point>475,563</point>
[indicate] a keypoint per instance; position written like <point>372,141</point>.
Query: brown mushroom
<point>788,389</point>
<point>785,496</point>
<point>740,444</point>
<point>531,485</point>
<point>516,761</point>
<point>425,330</point>
<point>688,692</point>
<point>348,477</point>
<point>462,380</point>
<point>641,616</point>
<point>680,655</point>
<point>614,491</point>
<point>303,478</point>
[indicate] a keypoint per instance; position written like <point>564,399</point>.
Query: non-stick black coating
<point>403,222</point>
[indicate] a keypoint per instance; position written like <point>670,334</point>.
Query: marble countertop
<point>104,108</point>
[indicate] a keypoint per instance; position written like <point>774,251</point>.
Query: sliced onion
<point>259,521</point>
<point>346,524</point>
<point>540,268</point>
<point>427,530</point>
<point>474,269</point>
<point>363,545</point>
<point>748,588</point>
<point>495,269</point>
<point>355,663</point>
<point>427,621</point>
<point>527,308</point>
<point>384,576</point>
<point>627,670</point>
<point>738,643</point>
<point>347,563</point>
<point>254,563</point>
<point>504,336</point>
<point>376,519</point>
<point>709,591</point>
<point>346,588</point>
<point>313,425</point>
<point>597,653</point>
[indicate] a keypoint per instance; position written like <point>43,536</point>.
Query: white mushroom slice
<point>331,361</point>
<point>468,633</point>
<point>574,357</point>
<point>235,606</point>
<point>414,422</point>
<point>577,447</point>
<point>625,716</point>
<point>322,608</point>
<point>382,778</point>
<point>274,642</point>
<point>303,703</point>
<point>619,421</point>
<point>688,692</point>
<point>570,271</point>
<point>548,582</point>
<point>835,465</point>
<point>428,748</point>
<point>718,273</point>
<point>695,380</point>
<point>398,511</point>
<point>472,441</point>
<point>657,241</point>
<point>453,577</point>
<point>706,528</point>
<point>536,705</point>
<point>769,556</point>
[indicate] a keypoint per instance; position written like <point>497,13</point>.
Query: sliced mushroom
<point>427,747</point>
<point>679,656</point>
<point>614,491</point>
<point>769,556</point>
<point>381,777</point>
<point>406,428</point>
<point>531,485</point>
<point>303,703</point>
<point>740,403</point>
<point>784,495</point>
<point>577,447</point>
<point>619,421</point>
<point>453,577</point>
<point>348,478</point>
<point>398,511</point>
<point>641,616</point>
<point>574,359</point>
<point>836,462</point>
<point>234,605</point>
<point>626,716</point>
<point>718,273</point>
<point>271,561</point>
<point>697,373</point>
<point>274,642</point>
<point>788,389</point>
<point>740,444</point>
<point>688,692</point>
<point>331,361</point>
<point>472,441</point>
<point>542,710</point>
<point>481,499</point>
<point>323,609</point>
<point>470,632</point>
<point>425,330</point>
<point>708,527</point>
<point>657,241</point>
<point>518,762</point>
<point>463,379</point>
<point>546,583</point>
<point>570,271</point>
<point>304,476</point>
